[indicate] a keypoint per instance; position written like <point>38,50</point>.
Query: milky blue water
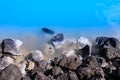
<point>74,18</point>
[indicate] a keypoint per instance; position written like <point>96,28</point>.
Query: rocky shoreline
<point>75,60</point>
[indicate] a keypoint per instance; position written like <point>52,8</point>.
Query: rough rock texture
<point>109,47</point>
<point>57,40</point>
<point>82,42</point>
<point>56,71</point>
<point>36,56</point>
<point>71,62</point>
<point>22,66</point>
<point>12,72</point>
<point>11,46</point>
<point>41,76</point>
<point>5,61</point>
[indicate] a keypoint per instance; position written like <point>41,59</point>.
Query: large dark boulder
<point>104,41</point>
<point>108,47</point>
<point>11,72</point>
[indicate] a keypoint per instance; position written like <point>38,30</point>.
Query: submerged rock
<point>57,40</point>
<point>84,52</point>
<point>11,72</point>
<point>82,42</point>
<point>48,31</point>
<point>11,46</point>
<point>36,55</point>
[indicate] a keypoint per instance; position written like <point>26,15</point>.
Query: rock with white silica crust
<point>6,61</point>
<point>82,42</point>
<point>18,43</point>
<point>57,40</point>
<point>22,66</point>
<point>36,55</point>
<point>69,53</point>
<point>11,46</point>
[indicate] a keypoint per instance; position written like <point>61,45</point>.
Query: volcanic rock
<point>36,56</point>
<point>6,61</point>
<point>11,46</point>
<point>11,72</point>
<point>57,40</point>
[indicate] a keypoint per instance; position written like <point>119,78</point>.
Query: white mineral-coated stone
<point>69,53</point>
<point>22,67</point>
<point>58,44</point>
<point>18,43</point>
<point>82,42</point>
<point>6,61</point>
<point>37,55</point>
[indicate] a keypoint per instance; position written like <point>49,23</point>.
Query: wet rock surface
<point>71,64</point>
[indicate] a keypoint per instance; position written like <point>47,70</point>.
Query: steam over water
<point>23,19</point>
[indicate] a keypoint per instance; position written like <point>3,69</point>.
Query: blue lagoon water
<point>23,19</point>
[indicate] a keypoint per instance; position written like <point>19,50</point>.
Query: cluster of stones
<point>90,61</point>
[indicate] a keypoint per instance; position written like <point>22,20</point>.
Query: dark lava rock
<point>56,71</point>
<point>98,74</point>
<point>109,47</point>
<point>40,66</point>
<point>84,52</point>
<point>58,39</point>
<point>40,76</point>
<point>63,76</point>
<point>91,62</point>
<point>111,72</point>
<point>102,41</point>
<point>85,73</point>
<point>71,62</point>
<point>111,53</point>
<point>48,31</point>
<point>73,75</point>
<point>9,47</point>
<point>26,78</point>
<point>56,61</point>
<point>101,62</point>
<point>11,72</point>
